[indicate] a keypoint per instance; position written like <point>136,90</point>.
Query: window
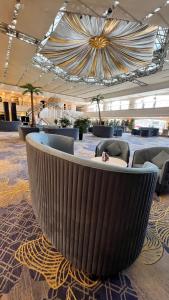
<point>162,101</point>
<point>116,105</point>
<point>161,124</point>
<point>125,104</point>
<point>139,104</point>
<point>149,102</point>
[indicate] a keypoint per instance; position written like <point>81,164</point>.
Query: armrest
<point>148,164</point>
<point>164,174</point>
<point>140,157</point>
<point>99,148</point>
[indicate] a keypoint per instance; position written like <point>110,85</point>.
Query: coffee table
<point>113,161</point>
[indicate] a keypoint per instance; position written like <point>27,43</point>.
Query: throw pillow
<point>113,149</point>
<point>160,159</point>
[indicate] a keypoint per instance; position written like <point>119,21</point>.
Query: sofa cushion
<point>58,142</point>
<point>138,165</point>
<point>160,159</point>
<point>113,149</point>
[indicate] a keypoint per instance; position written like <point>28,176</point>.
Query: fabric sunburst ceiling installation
<point>101,48</point>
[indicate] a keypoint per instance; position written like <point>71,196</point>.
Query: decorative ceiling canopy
<point>99,48</point>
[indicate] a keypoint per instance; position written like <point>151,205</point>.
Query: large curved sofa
<point>94,214</point>
<point>9,125</point>
<point>71,132</point>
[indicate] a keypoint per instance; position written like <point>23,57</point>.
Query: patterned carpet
<point>30,269</point>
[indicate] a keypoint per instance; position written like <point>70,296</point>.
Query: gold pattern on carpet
<point>70,295</point>
<point>12,193</point>
<point>157,236</point>
<point>39,255</point>
<point>7,166</point>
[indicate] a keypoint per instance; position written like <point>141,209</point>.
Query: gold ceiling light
<point>99,42</point>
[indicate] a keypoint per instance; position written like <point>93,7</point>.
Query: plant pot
<point>80,136</point>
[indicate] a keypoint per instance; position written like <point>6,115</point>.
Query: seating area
<point>9,125</point>
<point>106,131</point>
<point>95,178</point>
<point>84,150</point>
<point>146,132</point>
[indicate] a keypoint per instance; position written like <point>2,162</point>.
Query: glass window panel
<point>148,102</point>
<point>162,101</point>
<point>161,124</point>
<point>125,104</point>
<point>138,103</point>
<point>115,105</point>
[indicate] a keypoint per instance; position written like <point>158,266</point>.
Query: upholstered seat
<point>71,132</point>
<point>56,141</point>
<point>124,152</point>
<point>9,125</point>
<point>148,154</point>
<point>24,130</point>
<point>94,214</point>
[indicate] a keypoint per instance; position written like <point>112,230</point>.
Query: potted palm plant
<point>98,100</point>
<point>30,89</point>
<point>131,124</point>
<point>82,124</point>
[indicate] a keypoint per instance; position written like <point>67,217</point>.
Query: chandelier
<point>96,49</point>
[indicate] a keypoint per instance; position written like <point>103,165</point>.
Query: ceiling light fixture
<point>115,3</point>
<point>157,9</point>
<point>12,26</point>
<point>109,11</point>
<point>149,15</point>
<point>47,66</point>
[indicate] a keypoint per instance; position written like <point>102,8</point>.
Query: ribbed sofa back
<point>96,217</point>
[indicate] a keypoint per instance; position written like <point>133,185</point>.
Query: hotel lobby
<point>84,150</point>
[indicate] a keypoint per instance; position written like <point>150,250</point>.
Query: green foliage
<point>65,122</point>
<point>98,99</point>
<point>131,124</point>
<point>29,88</point>
<point>82,124</point>
<point>114,123</point>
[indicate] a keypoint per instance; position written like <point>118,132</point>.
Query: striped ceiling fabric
<point>88,46</point>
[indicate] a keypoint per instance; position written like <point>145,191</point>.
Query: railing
<point>37,108</point>
<point>132,113</point>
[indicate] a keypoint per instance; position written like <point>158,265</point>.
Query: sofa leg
<point>156,197</point>
<point>158,193</point>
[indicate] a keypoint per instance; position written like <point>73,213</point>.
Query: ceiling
<point>34,19</point>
